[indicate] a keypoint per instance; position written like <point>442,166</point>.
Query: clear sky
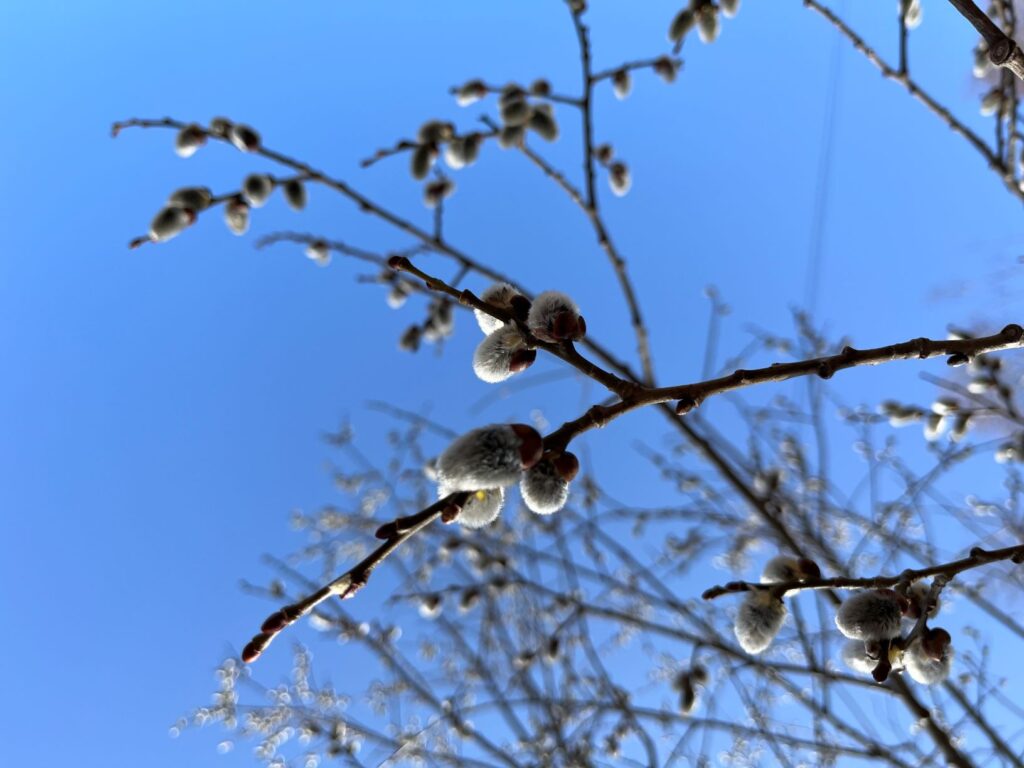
<point>162,409</point>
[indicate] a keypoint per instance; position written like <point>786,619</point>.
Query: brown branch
<point>1003,50</point>
<point>977,558</point>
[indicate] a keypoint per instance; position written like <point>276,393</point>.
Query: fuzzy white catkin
<point>220,126</point>
<point>928,666</point>
<point>188,140</point>
<point>554,317</point>
<point>500,295</point>
<point>543,489</point>
<point>194,198</point>
<point>243,137</point>
<point>682,23</point>
<point>319,253</point>
<point>236,215</point>
<point>856,657</point>
<point>622,84</point>
<point>295,194</point>
<point>170,222</point>
<point>729,7</point>
<point>501,354</point>
<point>872,614</point>
<point>758,620</point>
<point>470,93</point>
<point>542,121</point>
<point>707,23</point>
<point>481,508</point>
<point>256,189</point>
<point>619,178</point>
<point>488,457</point>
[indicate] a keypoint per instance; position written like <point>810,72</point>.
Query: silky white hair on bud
<point>981,385</point>
<point>257,188</point>
<point>169,222</point>
<point>195,198</point>
<point>707,23</point>
<point>930,657</point>
<point>682,23</point>
<point>455,153</point>
<point>489,457</point>
<point>729,7</point>
<point>856,656</point>
<point>440,321</point>
<point>481,508</point>
<point>319,253</point>
<point>236,216</point>
<point>555,317</point>
<point>188,140</point>
<point>982,64</point>
<point>782,568</point>
<point>295,194</point>
<point>243,137</point>
<point>622,84</point>
<point>542,122</point>
<point>501,355</point>
<point>1007,453</point>
<point>470,92</point>
<point>911,12</point>
<point>991,102</point>
<point>431,605</point>
<point>758,620</point>
<point>503,296</point>
<point>666,68</point>
<point>422,161</point>
<point>917,595</point>
<point>872,614</point>
<point>220,126</point>
<point>619,178</point>
<point>545,486</point>
<point>397,295</point>
<point>934,426</point>
<point>900,415</point>
<point>436,191</point>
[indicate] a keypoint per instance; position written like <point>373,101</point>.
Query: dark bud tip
<point>936,641</point>
<point>522,359</point>
<point>274,623</point>
<point>567,466</point>
<point>881,672</point>
<point>809,568</point>
<point>1013,331</point>
<point>1018,558</point>
<point>387,531</point>
<point>531,444</point>
<point>581,326</point>
<point>256,646</point>
<point>520,307</point>
<point>398,262</point>
<point>977,552</point>
<point>141,240</point>
<point>685,405</point>
<point>957,359</point>
<point>825,371</point>
<point>450,513</point>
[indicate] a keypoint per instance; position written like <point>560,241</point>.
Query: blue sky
<point>163,408</point>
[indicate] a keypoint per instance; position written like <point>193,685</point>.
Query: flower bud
<point>991,102</point>
<point>622,84</point>
<point>619,178</point>
<point>489,457</point>
<point>604,153</point>
<point>236,215</point>
<point>194,198</point>
<point>982,64</point>
<point>170,222</point>
<point>860,656</point>
<point>930,657</point>
<point>470,92</point>
<point>681,24</point>
<point>256,189</point>
<point>468,599</point>
<point>783,569</point>
<point>1007,453</point>
<point>295,194</point>
<point>872,614</point>
<point>917,595</point>
<point>545,486</point>
<point>319,253</point>
<point>188,140</point>
<point>397,295</point>
<point>514,108</point>
<point>540,87</point>
<point>436,191</point>
<point>934,425</point>
<point>911,12</point>
<point>481,508</point>
<point>422,161</point>
<point>542,121</point>
<point>410,340</point>
<point>707,23</point>
<point>502,354</point>
<point>511,136</point>
<point>440,321</point>
<point>758,620</point>
<point>431,605</point>
<point>666,68</point>
<point>729,7</point>
<point>220,126</point>
<point>244,137</point>
<point>435,131</point>
<point>555,317</point>
<point>503,296</point>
